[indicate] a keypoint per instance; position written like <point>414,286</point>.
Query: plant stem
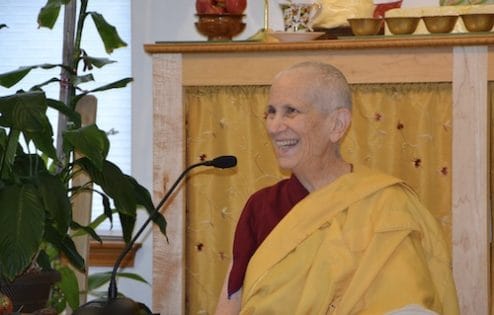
<point>78,34</point>
<point>266,15</point>
<point>67,90</point>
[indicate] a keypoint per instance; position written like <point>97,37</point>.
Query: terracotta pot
<point>30,292</point>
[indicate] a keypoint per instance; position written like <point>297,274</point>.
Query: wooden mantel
<point>466,60</point>
<point>414,41</point>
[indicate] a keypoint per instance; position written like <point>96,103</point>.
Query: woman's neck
<point>323,175</point>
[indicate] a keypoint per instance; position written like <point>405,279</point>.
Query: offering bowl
<point>218,27</point>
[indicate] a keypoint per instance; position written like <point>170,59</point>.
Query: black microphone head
<point>224,161</point>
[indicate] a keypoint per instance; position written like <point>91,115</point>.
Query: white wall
<point>159,20</point>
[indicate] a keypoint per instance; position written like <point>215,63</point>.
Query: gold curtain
<point>402,129</point>
<point>221,120</point>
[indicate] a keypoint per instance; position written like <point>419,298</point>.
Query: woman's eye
<point>269,112</point>
<point>290,111</point>
<point>287,111</point>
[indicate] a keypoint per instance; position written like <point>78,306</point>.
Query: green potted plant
<point>36,191</point>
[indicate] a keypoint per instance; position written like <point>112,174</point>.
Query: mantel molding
<point>366,42</point>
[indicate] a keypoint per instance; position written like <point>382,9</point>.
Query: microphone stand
<point>219,162</point>
<point>126,306</point>
<point>112,289</point>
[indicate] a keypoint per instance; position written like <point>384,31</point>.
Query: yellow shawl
<point>362,245</point>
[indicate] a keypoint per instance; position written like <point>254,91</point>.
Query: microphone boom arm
<point>219,162</point>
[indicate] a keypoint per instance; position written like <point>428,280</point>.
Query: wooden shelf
<point>351,42</point>
<point>105,254</point>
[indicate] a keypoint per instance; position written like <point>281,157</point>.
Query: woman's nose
<point>275,124</point>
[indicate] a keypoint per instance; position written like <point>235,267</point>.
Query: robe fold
<point>362,245</point>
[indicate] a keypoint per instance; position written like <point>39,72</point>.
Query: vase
<point>30,292</point>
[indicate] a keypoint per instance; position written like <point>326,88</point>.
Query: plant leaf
<point>127,222</point>
<point>122,194</point>
<point>107,32</point>
<point>94,224</point>
<point>39,86</point>
<point>89,141</point>
<point>22,224</point>
<point>9,145</point>
<point>43,260</point>
<point>107,210</point>
<point>74,116</point>
<point>48,14</point>
<point>76,80</point>
<point>26,112</point>
<point>132,276</point>
<point>114,85</point>
<point>57,203</point>
<point>85,230</point>
<point>99,279</point>
<point>43,142</point>
<point>97,62</point>
<point>29,165</point>
<point>69,286</point>
<point>9,79</point>
<point>64,243</point>
<point>144,199</point>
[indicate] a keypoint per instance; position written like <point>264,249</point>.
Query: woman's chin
<point>286,163</point>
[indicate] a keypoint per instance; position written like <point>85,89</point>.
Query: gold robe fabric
<point>362,245</point>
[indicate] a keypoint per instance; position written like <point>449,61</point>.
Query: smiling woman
<point>230,119</point>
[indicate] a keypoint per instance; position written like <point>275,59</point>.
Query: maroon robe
<point>261,213</point>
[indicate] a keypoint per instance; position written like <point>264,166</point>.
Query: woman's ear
<point>341,118</point>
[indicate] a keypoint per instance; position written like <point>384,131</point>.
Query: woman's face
<point>299,131</point>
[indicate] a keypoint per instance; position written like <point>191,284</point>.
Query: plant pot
<point>30,292</point>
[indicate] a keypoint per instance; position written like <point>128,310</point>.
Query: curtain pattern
<point>402,129</point>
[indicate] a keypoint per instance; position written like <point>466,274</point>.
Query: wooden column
<point>168,163</point>
<point>470,179</point>
<point>83,201</point>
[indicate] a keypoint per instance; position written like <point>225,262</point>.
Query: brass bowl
<point>440,23</point>
<point>478,22</point>
<point>365,26</point>
<point>400,25</point>
<point>218,27</point>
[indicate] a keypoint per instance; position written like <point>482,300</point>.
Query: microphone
<point>224,161</point>
<point>125,305</point>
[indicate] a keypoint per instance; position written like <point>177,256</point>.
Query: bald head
<point>320,84</point>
